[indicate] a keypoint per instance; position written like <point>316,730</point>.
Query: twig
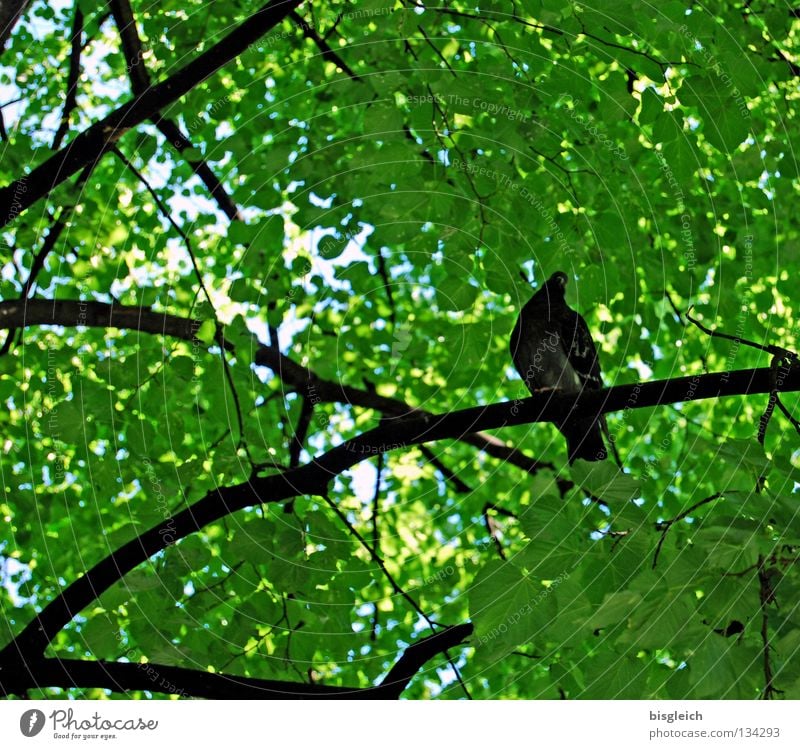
<point>768,348</point>
<point>665,525</point>
<point>374,554</point>
<point>437,51</point>
<point>766,597</point>
<point>387,285</point>
<point>490,527</point>
<point>327,52</point>
<point>163,209</point>
<point>792,420</point>
<point>50,241</point>
<point>90,145</point>
<point>460,486</point>
<point>376,535</point>
<point>314,478</point>
<point>763,422</point>
<point>301,431</point>
<point>165,212</point>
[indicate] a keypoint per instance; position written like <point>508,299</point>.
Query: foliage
<point>399,171</point>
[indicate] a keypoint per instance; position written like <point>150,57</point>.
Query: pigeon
<point>552,349</point>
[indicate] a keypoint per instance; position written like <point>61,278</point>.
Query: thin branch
<point>766,596</point>
<point>387,287</point>
<point>376,534</point>
<point>165,212</point>
<point>768,348</point>
<point>665,525</point>
<point>447,474</point>
<point>327,52</point>
<point>375,556</point>
<point>298,440</point>
<point>492,530</point>
<point>140,81</point>
<point>50,241</point>
<point>437,51</point>
<point>71,100</point>
<point>766,417</point>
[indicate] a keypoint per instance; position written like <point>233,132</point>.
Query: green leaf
<point>455,294</point>
<point>206,332</point>
<point>616,607</point>
<point>507,607</point>
<point>605,481</point>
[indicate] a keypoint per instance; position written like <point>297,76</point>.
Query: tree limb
<point>71,99</point>
<point>87,147</point>
<point>69,673</point>
<point>69,313</point>
<point>313,477</point>
<point>140,82</point>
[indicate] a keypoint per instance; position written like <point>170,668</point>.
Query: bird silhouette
<point>552,349</point>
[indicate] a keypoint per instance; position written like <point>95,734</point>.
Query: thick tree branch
<point>313,477</point>
<point>70,313</point>
<point>10,12</point>
<point>418,655</point>
<point>151,677</point>
<point>87,147</point>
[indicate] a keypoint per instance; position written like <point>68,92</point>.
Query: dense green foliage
<point>389,215</point>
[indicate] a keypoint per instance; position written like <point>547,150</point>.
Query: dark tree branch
<point>70,313</point>
<point>126,677</point>
<point>460,486</point>
<point>313,477</point>
<point>300,431</point>
<point>140,81</point>
<point>71,100</point>
<point>90,145</point>
<point>768,348</point>
<point>766,596</point>
<point>48,245</point>
<point>10,12</point>
<point>327,52</point>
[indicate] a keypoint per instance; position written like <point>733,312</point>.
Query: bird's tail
<point>584,440</point>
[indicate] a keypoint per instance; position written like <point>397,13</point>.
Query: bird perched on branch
<point>552,349</point>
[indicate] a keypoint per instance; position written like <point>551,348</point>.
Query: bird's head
<point>551,292</point>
